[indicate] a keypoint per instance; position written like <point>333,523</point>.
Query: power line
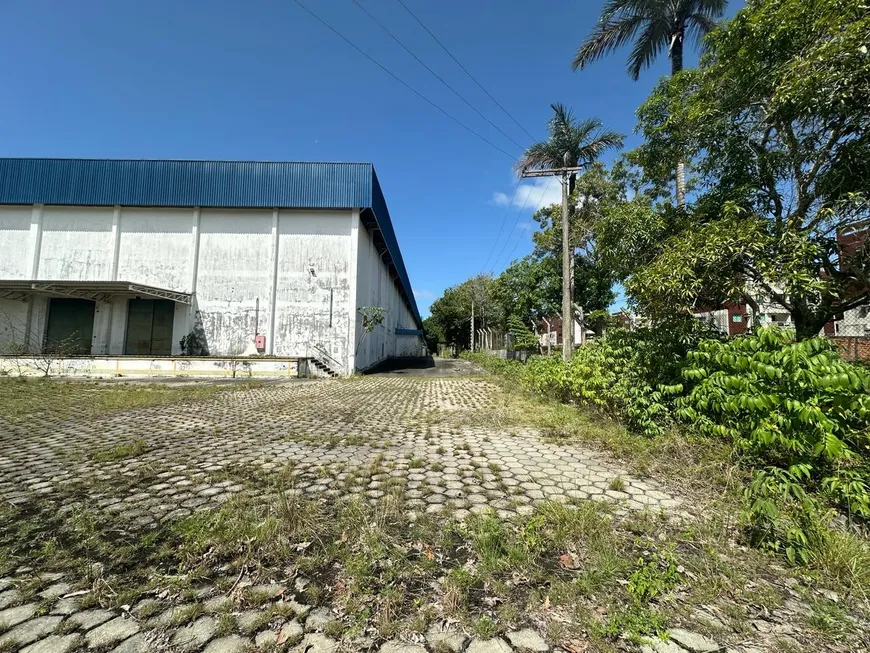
<point>401,81</point>
<point>436,75</point>
<point>501,228</point>
<point>508,239</point>
<point>465,70</point>
<point>537,208</point>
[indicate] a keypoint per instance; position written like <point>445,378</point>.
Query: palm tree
<point>583,141</point>
<point>570,144</point>
<point>657,24</point>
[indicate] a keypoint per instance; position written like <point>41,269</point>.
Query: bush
<point>629,375</point>
<point>798,414</point>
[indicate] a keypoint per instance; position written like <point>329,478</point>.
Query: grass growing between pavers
<point>23,398</point>
<point>577,572</point>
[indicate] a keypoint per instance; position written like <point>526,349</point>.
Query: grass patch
<point>23,398</point>
<point>120,452</point>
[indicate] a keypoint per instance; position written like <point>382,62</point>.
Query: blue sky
<point>261,79</point>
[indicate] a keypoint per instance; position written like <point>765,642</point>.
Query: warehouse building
<point>202,258</point>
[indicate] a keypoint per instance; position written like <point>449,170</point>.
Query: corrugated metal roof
<point>231,184</point>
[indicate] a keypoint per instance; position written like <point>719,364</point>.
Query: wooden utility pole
<point>567,254</point>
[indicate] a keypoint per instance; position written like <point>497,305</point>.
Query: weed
<point>120,452</point>
<point>485,627</point>
<point>617,484</point>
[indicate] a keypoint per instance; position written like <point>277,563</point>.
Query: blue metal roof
<point>228,184</point>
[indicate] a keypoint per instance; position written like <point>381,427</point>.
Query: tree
<point>451,313</point>
<point>584,141</point>
<point>656,24</point>
<point>531,288</point>
<point>777,123</point>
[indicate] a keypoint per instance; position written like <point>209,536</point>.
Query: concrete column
<point>102,328</point>
<point>116,241</point>
<point>273,290</point>
<point>35,246</point>
<point>194,269</point>
<point>352,300</point>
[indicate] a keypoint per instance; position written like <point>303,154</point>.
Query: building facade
<point>221,258</point>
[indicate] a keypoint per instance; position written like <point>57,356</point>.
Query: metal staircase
<point>325,363</point>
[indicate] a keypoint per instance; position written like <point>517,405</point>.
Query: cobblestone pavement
<point>422,427</point>
<point>438,435</point>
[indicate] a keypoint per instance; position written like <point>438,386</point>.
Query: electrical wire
<point>401,81</point>
<point>507,210</point>
<point>537,208</point>
<point>436,75</point>
<point>465,70</point>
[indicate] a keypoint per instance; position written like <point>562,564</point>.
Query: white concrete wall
<point>13,325</point>
<point>312,304</point>
<point>156,244</point>
<point>235,247</point>
<point>76,243</point>
<point>15,232</point>
<point>375,287</point>
<point>310,270</point>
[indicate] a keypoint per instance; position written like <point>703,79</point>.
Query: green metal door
<point>149,327</point>
<point>70,326</point>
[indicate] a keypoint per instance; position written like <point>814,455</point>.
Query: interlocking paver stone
<point>111,632</point>
<point>528,641</point>
<point>14,616</point>
<point>231,644</point>
<point>9,597</point>
<point>193,636</point>
<point>494,645</point>
<point>444,638</point>
<point>55,644</point>
<point>135,644</point>
<point>314,643</point>
<point>91,618</point>
<point>30,631</point>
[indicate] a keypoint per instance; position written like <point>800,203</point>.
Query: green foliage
<point>451,313</point>
<point>653,577</point>
<point>629,375</point>
<point>798,414</point>
<point>775,126</point>
<point>523,338</point>
<point>372,316</point>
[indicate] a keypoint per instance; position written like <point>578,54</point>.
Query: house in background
<point>221,258</point>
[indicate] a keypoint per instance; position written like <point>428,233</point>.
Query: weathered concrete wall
<point>13,325</point>
<point>15,232</point>
<point>312,304</point>
<point>295,276</point>
<point>235,247</point>
<point>76,243</point>
<point>98,366</point>
<point>375,287</point>
<point>156,244</point>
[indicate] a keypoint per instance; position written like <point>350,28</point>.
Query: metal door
<point>149,327</point>
<point>70,326</point>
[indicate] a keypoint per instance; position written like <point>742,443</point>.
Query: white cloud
<point>424,294</point>
<point>530,196</point>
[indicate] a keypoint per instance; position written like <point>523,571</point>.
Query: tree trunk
<point>676,54</point>
<point>807,326</point>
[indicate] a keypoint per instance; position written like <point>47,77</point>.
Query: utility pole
<point>567,280</point>
<point>472,325</point>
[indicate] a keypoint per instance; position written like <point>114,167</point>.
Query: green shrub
<point>797,413</point>
<point>629,375</point>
